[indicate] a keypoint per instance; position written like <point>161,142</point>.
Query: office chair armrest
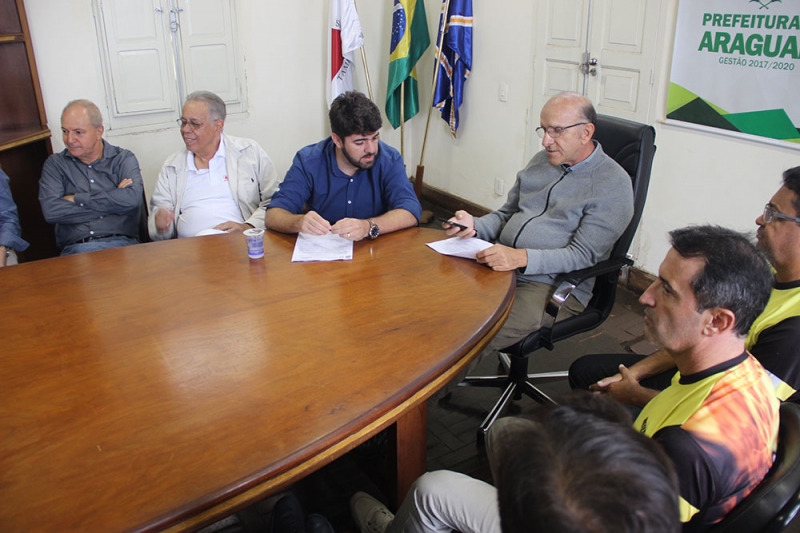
<point>567,284</point>
<point>543,337</point>
<point>576,277</point>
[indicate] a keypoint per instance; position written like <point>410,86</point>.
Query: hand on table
<point>503,258</point>
<point>352,229</point>
<point>314,224</point>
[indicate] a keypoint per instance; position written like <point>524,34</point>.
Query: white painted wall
<point>697,177</point>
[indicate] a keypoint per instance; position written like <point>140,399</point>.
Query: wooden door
<point>604,49</point>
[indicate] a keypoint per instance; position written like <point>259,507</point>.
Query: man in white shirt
<point>218,182</point>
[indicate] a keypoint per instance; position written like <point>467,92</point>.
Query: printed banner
<point>736,67</point>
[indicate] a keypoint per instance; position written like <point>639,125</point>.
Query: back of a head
<point>352,113</point>
<point>570,471</point>
<point>736,276</point>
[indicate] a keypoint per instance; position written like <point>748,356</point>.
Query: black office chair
<point>775,501</point>
<point>632,146</point>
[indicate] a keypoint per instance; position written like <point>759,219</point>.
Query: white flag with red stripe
<point>345,34</point>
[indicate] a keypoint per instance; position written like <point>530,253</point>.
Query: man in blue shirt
<point>350,184</point>
<point>10,240</point>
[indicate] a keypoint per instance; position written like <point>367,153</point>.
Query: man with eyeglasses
<point>92,190</point>
<point>218,183</point>
<point>568,207</point>
<point>773,339</point>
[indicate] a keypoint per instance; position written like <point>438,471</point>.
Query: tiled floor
<point>452,425</point>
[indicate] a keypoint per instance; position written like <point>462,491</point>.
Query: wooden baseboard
<point>450,202</point>
<point>638,280</point>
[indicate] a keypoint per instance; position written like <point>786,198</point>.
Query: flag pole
<point>366,73</point>
<point>403,120</point>
<point>364,61</point>
<point>438,56</point>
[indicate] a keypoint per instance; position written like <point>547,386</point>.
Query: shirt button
<point>349,202</point>
<point>81,204</point>
<point>91,233</point>
<point>91,181</point>
<point>351,180</point>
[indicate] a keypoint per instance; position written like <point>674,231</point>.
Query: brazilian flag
<point>409,40</point>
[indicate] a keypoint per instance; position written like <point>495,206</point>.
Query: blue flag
<point>455,60</point>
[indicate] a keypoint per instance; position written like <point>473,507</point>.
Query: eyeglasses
<point>555,131</point>
<point>770,213</point>
<point>193,124</point>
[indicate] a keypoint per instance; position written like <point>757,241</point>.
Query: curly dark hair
<point>352,113</point>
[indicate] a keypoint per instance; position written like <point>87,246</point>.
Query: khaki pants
<point>524,318</point>
<point>527,312</point>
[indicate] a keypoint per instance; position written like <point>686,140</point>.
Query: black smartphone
<point>462,227</point>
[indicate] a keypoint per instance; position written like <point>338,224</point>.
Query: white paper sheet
<point>459,247</point>
<point>329,247</point>
<point>210,231</point>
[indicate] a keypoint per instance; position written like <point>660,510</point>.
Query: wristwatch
<point>374,230</point>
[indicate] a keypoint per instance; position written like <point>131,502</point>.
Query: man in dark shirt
<point>91,191</point>
<point>774,338</point>
<point>350,184</point>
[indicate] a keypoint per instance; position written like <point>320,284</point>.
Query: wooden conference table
<point>166,385</point>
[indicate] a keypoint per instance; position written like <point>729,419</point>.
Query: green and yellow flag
<point>409,40</point>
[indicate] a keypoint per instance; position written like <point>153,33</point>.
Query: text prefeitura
<point>752,44</point>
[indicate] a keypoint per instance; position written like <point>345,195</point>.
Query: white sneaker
<point>370,515</point>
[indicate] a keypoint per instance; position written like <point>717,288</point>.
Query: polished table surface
<point>165,385</point>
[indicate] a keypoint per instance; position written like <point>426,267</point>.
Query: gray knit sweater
<point>565,223</point>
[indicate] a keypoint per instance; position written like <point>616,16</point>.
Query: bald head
<point>579,104</point>
<point>567,125</point>
<point>92,111</point>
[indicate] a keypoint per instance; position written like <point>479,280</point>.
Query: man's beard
<point>358,163</point>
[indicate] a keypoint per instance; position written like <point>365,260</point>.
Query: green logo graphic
<point>763,5</point>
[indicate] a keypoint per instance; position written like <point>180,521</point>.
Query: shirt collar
<point>219,153</point>
<point>108,151</point>
<point>579,165</point>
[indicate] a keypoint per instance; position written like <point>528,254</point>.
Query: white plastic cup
<point>255,243</point>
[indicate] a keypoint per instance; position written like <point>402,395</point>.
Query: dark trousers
<point>590,369</point>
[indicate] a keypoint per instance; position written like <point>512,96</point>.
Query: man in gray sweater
<point>566,210</point>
